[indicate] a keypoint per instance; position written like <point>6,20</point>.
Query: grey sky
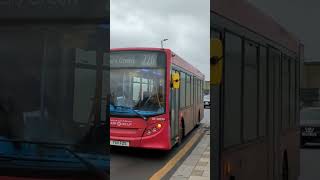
<point>143,23</point>
<point>299,17</point>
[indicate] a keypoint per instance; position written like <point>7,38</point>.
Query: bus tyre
<point>285,167</point>
<point>199,119</point>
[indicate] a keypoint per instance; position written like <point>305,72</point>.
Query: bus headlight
<point>152,129</point>
<point>149,132</point>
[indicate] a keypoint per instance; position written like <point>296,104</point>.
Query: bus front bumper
<point>159,141</point>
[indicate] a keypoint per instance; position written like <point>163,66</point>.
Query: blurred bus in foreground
<point>257,114</point>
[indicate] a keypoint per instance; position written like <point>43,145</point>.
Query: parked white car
<point>310,125</point>
<point>206,101</point>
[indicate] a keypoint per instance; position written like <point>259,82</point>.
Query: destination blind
<point>137,59</point>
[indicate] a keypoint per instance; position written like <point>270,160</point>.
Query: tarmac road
<point>139,164</point>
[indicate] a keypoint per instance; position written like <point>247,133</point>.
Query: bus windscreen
<point>137,83</point>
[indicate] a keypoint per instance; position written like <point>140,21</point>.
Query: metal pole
<point>162,42</point>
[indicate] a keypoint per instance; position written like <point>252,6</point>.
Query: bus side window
<point>232,88</point>
<point>182,90</point>
<point>262,91</point>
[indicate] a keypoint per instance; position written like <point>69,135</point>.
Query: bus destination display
<point>136,59</point>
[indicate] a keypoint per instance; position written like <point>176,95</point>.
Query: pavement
<point>197,165</point>
<point>309,163</point>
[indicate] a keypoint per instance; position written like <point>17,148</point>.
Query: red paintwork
<point>134,132</point>
<point>249,16</point>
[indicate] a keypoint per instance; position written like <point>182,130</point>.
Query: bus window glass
<point>201,89</point>
<point>83,90</point>
<point>196,90</point>
<point>275,56</point>
<point>250,92</point>
<point>49,78</point>
<point>232,113</point>
<point>137,83</point>
<point>188,95</point>
<point>182,90</point>
<point>136,88</point>
<point>285,92</point>
<point>262,91</point>
<point>59,87</point>
<point>292,93</point>
<point>297,91</point>
<point>192,90</point>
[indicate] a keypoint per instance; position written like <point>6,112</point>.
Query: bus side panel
<point>191,118</point>
<point>188,119</point>
<point>241,158</point>
<point>201,109</point>
<point>291,145</point>
<point>290,136</point>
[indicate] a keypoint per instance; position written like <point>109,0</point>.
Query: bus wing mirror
<point>176,80</point>
<point>216,61</point>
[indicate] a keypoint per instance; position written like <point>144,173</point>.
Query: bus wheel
<point>199,119</point>
<point>285,167</point>
<point>181,131</point>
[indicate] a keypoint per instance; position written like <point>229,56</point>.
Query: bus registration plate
<point>119,143</point>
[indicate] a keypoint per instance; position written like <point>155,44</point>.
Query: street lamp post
<point>162,42</point>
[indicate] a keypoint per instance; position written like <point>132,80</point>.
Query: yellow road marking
<point>172,162</point>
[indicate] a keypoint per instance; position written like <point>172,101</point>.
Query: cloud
<point>144,23</point>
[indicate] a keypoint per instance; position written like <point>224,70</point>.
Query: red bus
<point>146,110</point>
<point>257,115</point>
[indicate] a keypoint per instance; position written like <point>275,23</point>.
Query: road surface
<point>137,164</point>
<point>310,163</point>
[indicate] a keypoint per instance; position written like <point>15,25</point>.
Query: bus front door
<point>174,112</point>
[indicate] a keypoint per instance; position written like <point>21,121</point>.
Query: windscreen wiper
<point>92,168</point>
<point>125,107</point>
